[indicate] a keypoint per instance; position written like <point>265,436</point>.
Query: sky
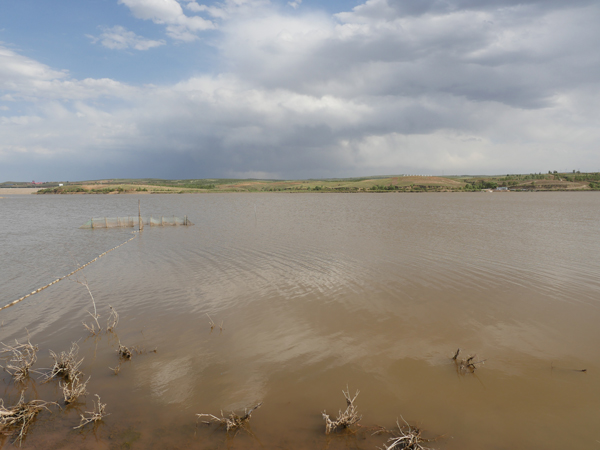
<point>297,89</point>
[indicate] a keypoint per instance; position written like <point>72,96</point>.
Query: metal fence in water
<point>130,222</point>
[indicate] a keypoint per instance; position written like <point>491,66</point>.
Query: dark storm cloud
<point>390,9</point>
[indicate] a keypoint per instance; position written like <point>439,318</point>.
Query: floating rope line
<point>67,276</point>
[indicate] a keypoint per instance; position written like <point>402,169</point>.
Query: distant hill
<point>400,183</point>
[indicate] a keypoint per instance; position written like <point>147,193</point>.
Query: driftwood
<point>233,421</point>
<point>344,419</point>
<point>22,357</point>
<point>18,418</point>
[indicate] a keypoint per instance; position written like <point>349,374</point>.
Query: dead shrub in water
<point>17,419</point>
<point>74,389</point>
<point>233,421</point>
<point>468,364</point>
<point>124,352</point>
<point>94,416</point>
<point>344,419</point>
<point>22,357</point>
<point>66,364</point>
<point>408,438</point>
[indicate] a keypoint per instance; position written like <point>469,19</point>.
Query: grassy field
<point>517,182</point>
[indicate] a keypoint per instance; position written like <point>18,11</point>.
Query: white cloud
<point>16,70</point>
<point>295,4</point>
<point>170,13</point>
<point>25,79</point>
<point>120,38</point>
<point>307,95</point>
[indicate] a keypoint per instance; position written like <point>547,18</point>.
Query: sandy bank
<point>18,191</point>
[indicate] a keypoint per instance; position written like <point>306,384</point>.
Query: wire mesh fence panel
<point>130,222</point>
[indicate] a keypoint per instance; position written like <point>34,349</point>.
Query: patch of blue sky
<point>67,35</point>
<point>328,6</point>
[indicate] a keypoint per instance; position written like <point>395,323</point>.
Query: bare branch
<point>22,357</point>
<point>95,316</point>
<point>233,421</point>
<point>66,364</point>
<point>93,416</point>
<point>344,419</point>
<point>408,438</point>
<point>74,389</point>
<point>17,419</point>
<point>211,323</point>
<point>113,319</point>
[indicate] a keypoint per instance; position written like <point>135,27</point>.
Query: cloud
<point>228,8</point>
<point>17,70</point>
<point>295,4</point>
<point>119,38</point>
<point>454,86</point>
<point>170,13</point>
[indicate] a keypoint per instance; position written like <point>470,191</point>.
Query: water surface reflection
<point>316,292</point>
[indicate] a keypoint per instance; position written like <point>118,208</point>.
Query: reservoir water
<point>315,292</point>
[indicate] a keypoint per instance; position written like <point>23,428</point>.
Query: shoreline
<point>18,191</point>
<point>324,191</point>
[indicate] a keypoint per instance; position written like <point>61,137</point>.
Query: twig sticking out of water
<point>19,417</point>
<point>456,354</point>
<point>113,319</point>
<point>91,328</point>
<point>22,357</point>
<point>211,323</point>
<point>344,419</point>
<point>467,364</point>
<point>408,438</point>
<point>66,364</point>
<point>93,416</point>
<point>233,421</point>
<point>74,389</point>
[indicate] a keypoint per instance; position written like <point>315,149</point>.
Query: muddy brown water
<point>316,292</point>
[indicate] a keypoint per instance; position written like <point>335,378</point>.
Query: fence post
<point>140,216</point>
